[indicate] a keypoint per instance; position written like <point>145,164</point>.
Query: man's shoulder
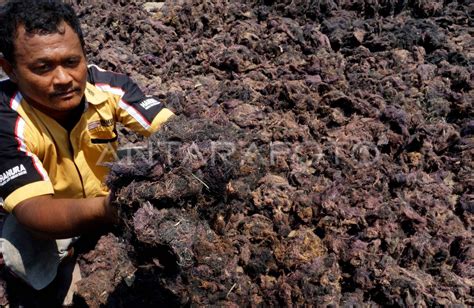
<point>9,102</point>
<point>99,77</point>
<point>8,90</point>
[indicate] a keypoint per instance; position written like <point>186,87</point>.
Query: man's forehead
<point>21,31</point>
<point>40,45</point>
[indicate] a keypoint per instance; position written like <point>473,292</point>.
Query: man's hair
<point>38,17</point>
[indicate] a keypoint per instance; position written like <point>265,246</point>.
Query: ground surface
<point>322,154</point>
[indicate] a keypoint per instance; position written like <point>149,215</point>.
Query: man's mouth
<point>66,94</point>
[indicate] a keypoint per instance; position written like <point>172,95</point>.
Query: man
<point>57,127</point>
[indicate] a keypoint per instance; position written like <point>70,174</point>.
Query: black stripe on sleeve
<point>147,106</point>
<point>16,167</point>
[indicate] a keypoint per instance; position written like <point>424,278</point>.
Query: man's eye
<point>72,62</point>
<point>43,68</point>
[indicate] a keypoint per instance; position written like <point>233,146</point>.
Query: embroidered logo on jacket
<point>12,174</point>
<point>149,103</point>
<point>101,122</point>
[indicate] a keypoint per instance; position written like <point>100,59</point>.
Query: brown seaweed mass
<point>322,154</point>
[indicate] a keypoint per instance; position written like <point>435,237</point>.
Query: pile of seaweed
<point>322,154</point>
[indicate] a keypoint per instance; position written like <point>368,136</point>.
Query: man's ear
<point>8,68</point>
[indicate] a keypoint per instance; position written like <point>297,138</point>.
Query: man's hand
<point>111,212</point>
<point>65,218</point>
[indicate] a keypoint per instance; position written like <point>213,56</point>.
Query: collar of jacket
<point>94,95</point>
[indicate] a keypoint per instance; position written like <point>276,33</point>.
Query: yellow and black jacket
<point>38,156</point>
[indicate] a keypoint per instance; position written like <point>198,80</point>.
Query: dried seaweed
<point>322,154</point>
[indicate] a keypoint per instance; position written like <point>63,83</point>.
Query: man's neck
<point>67,119</point>
<point>73,117</point>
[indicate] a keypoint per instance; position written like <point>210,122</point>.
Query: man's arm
<point>64,218</point>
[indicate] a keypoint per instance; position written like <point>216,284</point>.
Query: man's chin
<point>66,103</point>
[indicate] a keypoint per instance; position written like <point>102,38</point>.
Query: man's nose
<point>62,76</point>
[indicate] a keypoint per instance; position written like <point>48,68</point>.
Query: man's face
<point>50,70</point>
